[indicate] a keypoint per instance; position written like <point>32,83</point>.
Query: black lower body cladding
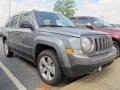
<point>80,65</point>
<point>77,71</point>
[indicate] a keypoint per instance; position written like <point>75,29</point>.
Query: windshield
<point>100,22</point>
<point>52,20</point>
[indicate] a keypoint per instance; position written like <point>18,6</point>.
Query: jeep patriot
<point>51,41</point>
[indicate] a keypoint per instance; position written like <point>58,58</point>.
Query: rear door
<point>13,35</point>
<point>26,35</point>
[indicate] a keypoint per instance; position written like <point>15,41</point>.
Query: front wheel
<point>117,48</point>
<point>7,51</point>
<point>49,67</point>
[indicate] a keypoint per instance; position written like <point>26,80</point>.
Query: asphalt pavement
<point>5,82</point>
<point>21,68</point>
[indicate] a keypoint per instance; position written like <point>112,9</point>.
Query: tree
<point>66,7</point>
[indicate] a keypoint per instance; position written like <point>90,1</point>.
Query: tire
<point>50,65</point>
<point>117,47</point>
<point>7,51</point>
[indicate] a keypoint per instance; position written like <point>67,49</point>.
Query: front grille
<point>102,43</point>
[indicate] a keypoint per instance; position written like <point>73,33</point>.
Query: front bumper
<point>80,64</point>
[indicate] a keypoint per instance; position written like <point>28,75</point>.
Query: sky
<point>106,9</point>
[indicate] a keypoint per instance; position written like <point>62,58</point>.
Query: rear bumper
<point>81,65</point>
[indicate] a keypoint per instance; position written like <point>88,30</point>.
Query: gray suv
<point>51,41</point>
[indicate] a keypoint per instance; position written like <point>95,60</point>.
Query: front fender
<point>57,44</point>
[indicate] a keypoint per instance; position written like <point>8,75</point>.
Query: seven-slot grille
<point>102,43</point>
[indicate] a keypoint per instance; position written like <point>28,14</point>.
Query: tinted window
<point>25,18</point>
<point>14,21</point>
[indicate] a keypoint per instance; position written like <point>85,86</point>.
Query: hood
<point>113,28</point>
<point>76,32</point>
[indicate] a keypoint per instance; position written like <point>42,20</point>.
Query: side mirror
<point>89,25</point>
<point>26,25</point>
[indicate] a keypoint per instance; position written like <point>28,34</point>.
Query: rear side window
<point>14,22</point>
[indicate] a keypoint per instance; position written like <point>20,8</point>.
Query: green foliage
<point>66,7</point>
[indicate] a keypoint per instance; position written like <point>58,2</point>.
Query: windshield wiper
<point>54,26</point>
<point>69,26</point>
<point>50,26</point>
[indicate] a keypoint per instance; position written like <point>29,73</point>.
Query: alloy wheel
<point>47,68</point>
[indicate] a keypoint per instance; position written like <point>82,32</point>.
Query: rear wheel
<point>117,48</point>
<point>49,68</point>
<point>7,51</point>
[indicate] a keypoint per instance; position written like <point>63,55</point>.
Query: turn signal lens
<point>71,51</point>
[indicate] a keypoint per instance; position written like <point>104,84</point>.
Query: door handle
<point>17,33</point>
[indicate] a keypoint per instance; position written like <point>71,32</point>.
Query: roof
<point>34,10</point>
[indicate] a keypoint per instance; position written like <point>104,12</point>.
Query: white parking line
<point>18,84</point>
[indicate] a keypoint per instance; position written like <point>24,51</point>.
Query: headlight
<point>86,43</point>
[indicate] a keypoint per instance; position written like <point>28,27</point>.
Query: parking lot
<point>18,73</point>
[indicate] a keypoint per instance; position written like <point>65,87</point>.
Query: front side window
<point>52,19</point>
<point>25,18</point>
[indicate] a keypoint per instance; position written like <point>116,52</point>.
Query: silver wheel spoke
<point>48,75</point>
<point>6,48</point>
<point>52,70</point>
<point>43,61</point>
<point>43,69</point>
<point>49,61</point>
